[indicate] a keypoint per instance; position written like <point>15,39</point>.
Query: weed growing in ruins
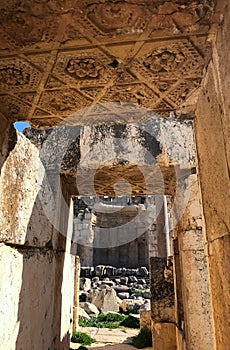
<point>111,317</point>
<point>110,321</point>
<point>137,291</point>
<point>82,338</point>
<point>143,339</point>
<point>130,322</point>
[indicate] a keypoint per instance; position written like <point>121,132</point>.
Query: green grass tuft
<point>82,338</point>
<point>111,321</point>
<point>143,339</point>
<point>130,322</point>
<point>103,321</point>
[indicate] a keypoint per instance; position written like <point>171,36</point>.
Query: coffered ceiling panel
<point>61,56</point>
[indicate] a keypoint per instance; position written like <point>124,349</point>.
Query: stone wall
<point>36,267</point>
<point>120,230</point>
<point>105,232</point>
<point>213,139</point>
<point>83,237</point>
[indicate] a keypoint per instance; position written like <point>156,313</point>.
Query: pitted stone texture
<point>91,309</point>
<point>192,272</point>
<point>145,319</point>
<point>37,304</point>
<point>20,182</point>
<point>11,268</point>
<point>131,159</point>
<point>164,336</point>
<point>213,145</point>
<point>104,299</point>
<point>26,192</point>
<point>196,299</point>
<point>162,290</point>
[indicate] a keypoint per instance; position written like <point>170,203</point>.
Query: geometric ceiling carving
<point>57,57</point>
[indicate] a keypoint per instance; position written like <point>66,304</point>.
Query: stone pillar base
<point>164,336</point>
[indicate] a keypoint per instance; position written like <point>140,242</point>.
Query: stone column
<point>162,304</point>
<point>193,317</point>
<point>212,128</point>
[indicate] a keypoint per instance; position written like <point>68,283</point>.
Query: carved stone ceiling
<point>60,56</point>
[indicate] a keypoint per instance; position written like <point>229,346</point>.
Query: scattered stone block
<point>83,314</point>
<point>104,299</point>
<point>91,309</point>
<point>123,295</point>
<point>85,284</point>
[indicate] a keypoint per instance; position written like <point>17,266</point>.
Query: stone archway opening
<point>151,157</point>
<point>108,152</point>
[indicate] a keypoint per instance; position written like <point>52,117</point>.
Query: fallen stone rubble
<point>110,271</point>
<point>124,290</point>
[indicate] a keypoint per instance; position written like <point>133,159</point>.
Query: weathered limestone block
<point>83,314</point>
<point>36,308</point>
<point>23,220</point>
<point>99,270</point>
<point>164,336</point>
<point>132,304</point>
<point>193,272</point>
<point>100,145</point>
<point>87,271</point>
<point>212,127</point>
<point>162,291</point>
<point>218,254</point>
<point>85,283</point>
<point>106,282</point>
<point>104,299</point>
<point>91,309</point>
<point>123,295</point>
<point>162,304</point>
<point>67,270</point>
<point>11,269</point>
<point>196,298</point>
<point>86,254</point>
<point>145,319</point>
<point>150,151</point>
<point>110,271</point>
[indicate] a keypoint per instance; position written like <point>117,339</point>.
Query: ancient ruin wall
<point>36,273</point>
<point>213,144</point>
<point>193,314</point>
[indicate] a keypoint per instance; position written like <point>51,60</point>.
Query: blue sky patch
<point>20,126</point>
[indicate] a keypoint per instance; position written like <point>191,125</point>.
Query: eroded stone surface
<point>34,312</point>
<point>20,183</point>
<point>104,160</point>
<point>192,273</point>
<point>212,133</point>
<point>162,290</point>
